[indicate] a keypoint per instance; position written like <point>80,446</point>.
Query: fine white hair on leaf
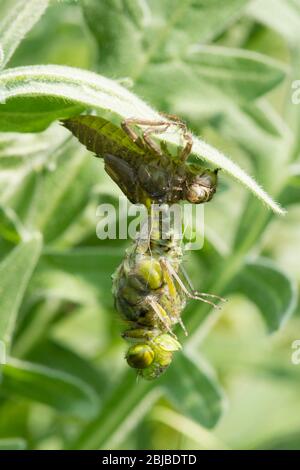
<point>93,91</point>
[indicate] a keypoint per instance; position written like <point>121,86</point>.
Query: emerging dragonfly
<point>150,294</point>
<point>148,286</point>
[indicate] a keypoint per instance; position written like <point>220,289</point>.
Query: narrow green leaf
<point>29,91</point>
<point>135,33</point>
<point>69,184</point>
<point>195,392</point>
<point>13,443</point>
<point>281,15</point>
<point>15,272</point>
<point>17,18</point>
<point>291,192</point>
<point>205,439</point>
<point>14,418</point>
<point>247,127</point>
<point>91,90</point>
<point>242,74</point>
<point>11,230</point>
<point>57,356</point>
<point>27,115</point>
<point>212,81</point>
<point>125,408</point>
<point>192,388</point>
<point>1,56</point>
<point>119,36</point>
<point>54,388</point>
<point>264,116</point>
<point>217,158</point>
<point>17,146</point>
<point>79,275</point>
<point>273,292</point>
<point>247,233</point>
<point>34,326</point>
<point>9,226</point>
<point>286,442</point>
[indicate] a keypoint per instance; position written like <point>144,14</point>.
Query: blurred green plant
<point>218,65</point>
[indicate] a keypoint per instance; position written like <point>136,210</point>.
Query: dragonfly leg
<point>128,123</point>
<point>184,289</point>
<point>188,146</point>
<point>161,314</point>
<point>158,127</point>
<point>126,126</point>
<point>147,133</point>
<point>172,290</point>
<point>214,296</point>
<point>195,292</point>
<point>186,134</point>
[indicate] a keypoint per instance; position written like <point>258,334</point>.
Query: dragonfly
<point>150,295</point>
<point>150,287</point>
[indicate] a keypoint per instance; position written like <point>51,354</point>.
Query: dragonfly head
<point>201,187</point>
<point>140,356</point>
<point>151,358</point>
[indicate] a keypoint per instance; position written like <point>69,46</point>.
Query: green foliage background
<point>227,68</point>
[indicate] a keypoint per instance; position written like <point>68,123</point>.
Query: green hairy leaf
<point>15,272</point>
<point>12,444</point>
<point>56,356</point>
<point>202,400</point>
<point>291,193</point>
<point>240,74</point>
<point>79,269</point>
<point>17,18</point>
<point>117,418</point>
<point>132,37</point>
<point>197,394</point>
<point>270,289</point>
<point>54,388</point>
<point>9,226</point>
<point>285,17</point>
<point>91,90</point>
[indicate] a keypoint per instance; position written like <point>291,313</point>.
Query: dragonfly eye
<point>201,188</point>
<point>196,194</point>
<point>140,356</point>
